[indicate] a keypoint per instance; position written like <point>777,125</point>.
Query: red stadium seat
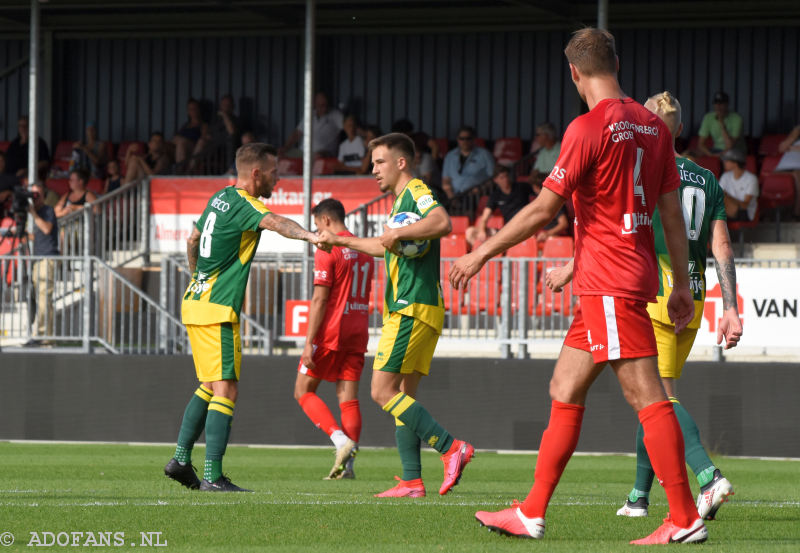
<point>558,246</point>
<point>325,166</point>
<point>694,143</point>
<point>4,144</point>
<point>96,185</point>
<point>712,163</point>
<point>507,151</point>
<point>495,221</point>
<point>63,155</point>
<point>453,298</point>
<point>453,245</point>
<point>480,142</point>
<point>768,165</point>
<point>769,144</point>
<point>777,190</point>
<point>290,166</point>
<point>444,146</point>
<point>484,291</point>
<point>459,224</point>
<point>527,248</point>
<point>59,186</point>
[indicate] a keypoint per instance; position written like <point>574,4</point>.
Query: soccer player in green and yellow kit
<point>704,214</point>
<point>412,319</point>
<point>220,250</point>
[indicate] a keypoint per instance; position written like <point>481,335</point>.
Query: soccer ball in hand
<point>409,248</point>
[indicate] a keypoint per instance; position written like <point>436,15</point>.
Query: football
<point>409,248</point>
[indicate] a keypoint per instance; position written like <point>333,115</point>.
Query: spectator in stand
<point>78,194</point>
<point>352,149</point>
<point>508,196</point>
<point>45,243</point>
<point>547,148</point>
<point>370,133</point>
<point>326,124</point>
<point>740,187</point>
<point>114,178</point>
<point>91,155</point>
<point>792,144</point>
<point>467,166</point>
<point>17,152</point>
<point>224,129</point>
<point>156,162</point>
<point>723,126</point>
<point>192,136</point>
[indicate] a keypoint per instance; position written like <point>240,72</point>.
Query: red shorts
<point>334,365</point>
<point>612,328</point>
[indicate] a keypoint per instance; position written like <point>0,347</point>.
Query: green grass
<point>120,488</point>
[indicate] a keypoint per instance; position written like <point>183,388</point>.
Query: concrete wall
<point>741,409</point>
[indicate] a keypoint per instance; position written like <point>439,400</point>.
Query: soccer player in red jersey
<point>336,339</point>
<point>617,164</point>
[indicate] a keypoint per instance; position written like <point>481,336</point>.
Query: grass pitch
<point>120,490</point>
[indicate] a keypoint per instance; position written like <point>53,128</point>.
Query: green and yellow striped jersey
<point>703,202</point>
<point>412,284</point>
<point>228,241</point>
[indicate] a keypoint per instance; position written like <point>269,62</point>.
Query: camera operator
<point>45,243</point>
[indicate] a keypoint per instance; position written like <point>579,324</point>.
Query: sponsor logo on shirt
<point>688,176</point>
<point>354,307</point>
<point>404,302</point>
<point>623,130</point>
<point>558,173</point>
<point>425,202</point>
<point>220,205</point>
<point>199,287</point>
<point>631,221</point>
<point>321,275</point>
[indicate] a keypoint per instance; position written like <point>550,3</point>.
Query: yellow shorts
<point>673,349</point>
<point>217,351</point>
<point>406,345</point>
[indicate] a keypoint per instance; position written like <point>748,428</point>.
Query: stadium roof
<point>144,17</point>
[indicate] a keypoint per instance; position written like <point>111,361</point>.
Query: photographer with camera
<point>45,243</point>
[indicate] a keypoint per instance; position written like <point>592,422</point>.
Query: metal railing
<point>79,303</point>
<point>114,228</point>
<point>367,219</point>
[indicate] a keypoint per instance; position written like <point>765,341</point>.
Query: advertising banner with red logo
<point>177,202</point>
<point>769,300</point>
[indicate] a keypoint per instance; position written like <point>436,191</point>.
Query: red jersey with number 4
<point>616,161</point>
<point>348,274</point>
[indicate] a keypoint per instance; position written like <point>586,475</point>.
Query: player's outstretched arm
<point>524,224</point>
<point>193,250</point>
<point>435,225</point>
<point>370,246</point>
<point>730,326</point>
<point>680,305</point>
<point>289,229</point>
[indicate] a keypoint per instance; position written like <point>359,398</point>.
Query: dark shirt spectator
<point>192,137</point>
<point>45,243</point>
<point>507,196</point>
<point>17,153</point>
<point>114,179</point>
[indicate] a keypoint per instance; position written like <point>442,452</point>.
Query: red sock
<point>558,444</point>
<point>351,419</point>
<point>664,443</point>
<point>316,410</point>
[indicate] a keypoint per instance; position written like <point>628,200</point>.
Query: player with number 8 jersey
<point>220,250</point>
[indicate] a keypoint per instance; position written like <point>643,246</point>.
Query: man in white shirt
<point>327,125</point>
<point>740,187</point>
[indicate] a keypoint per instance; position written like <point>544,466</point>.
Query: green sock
<point>696,456</point>
<point>417,418</point>
<point>218,429</point>
<point>408,446</point>
<point>644,470</point>
<point>194,420</point>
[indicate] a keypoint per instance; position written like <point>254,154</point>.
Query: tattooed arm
<point>193,250</point>
<point>289,229</point>
<point>730,326</point>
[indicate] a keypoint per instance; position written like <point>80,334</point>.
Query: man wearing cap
<point>722,125</point>
<point>740,187</point>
